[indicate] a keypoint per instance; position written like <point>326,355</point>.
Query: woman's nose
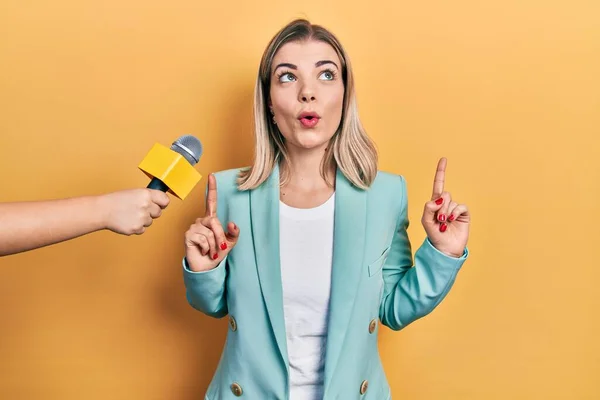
<point>306,95</point>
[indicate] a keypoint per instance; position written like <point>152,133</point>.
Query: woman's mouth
<point>309,120</point>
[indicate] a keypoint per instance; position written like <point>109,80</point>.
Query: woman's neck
<point>304,169</point>
<point>305,186</point>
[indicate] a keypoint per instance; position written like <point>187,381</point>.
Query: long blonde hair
<point>350,147</point>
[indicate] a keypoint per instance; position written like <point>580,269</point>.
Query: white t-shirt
<point>306,253</point>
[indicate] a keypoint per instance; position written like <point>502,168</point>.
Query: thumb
<point>431,208</point>
<point>233,232</point>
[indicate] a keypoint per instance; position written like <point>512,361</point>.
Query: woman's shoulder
<point>227,180</point>
<point>388,181</point>
<point>387,195</point>
<point>228,175</point>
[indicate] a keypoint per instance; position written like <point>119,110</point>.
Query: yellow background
<point>509,91</point>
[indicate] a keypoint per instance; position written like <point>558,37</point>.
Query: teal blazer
<point>373,281</point>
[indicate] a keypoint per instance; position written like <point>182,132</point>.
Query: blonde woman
<point>315,253</point>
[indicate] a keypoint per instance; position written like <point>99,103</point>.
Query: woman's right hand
<point>206,243</point>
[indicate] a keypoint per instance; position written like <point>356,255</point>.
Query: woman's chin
<point>310,142</point>
<point>311,145</point>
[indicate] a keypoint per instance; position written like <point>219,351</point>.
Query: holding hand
<point>132,211</point>
<point>206,244</point>
<point>445,221</point>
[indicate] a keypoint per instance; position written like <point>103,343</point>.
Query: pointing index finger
<point>440,177</point>
<point>211,196</point>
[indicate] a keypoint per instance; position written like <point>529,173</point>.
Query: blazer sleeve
<point>413,291</point>
<point>205,291</point>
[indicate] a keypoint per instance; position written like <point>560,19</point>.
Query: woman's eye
<point>327,75</point>
<point>287,77</point>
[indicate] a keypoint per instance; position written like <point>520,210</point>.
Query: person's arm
<point>205,290</point>
<point>30,225</point>
<point>207,245</point>
<point>413,291</point>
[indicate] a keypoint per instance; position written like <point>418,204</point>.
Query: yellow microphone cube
<point>170,167</point>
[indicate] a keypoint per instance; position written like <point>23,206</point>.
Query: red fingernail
<point>451,217</point>
<point>442,217</point>
<point>223,246</point>
<point>215,256</point>
<point>439,201</point>
<point>443,227</point>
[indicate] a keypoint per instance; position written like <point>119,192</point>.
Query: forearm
<point>29,225</point>
<point>205,291</point>
<point>420,289</point>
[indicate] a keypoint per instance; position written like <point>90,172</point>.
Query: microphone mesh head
<point>189,147</point>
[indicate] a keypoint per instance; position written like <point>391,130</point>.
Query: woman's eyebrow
<point>294,67</point>
<point>323,62</point>
<point>287,65</point>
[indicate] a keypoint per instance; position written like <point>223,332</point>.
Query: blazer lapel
<point>264,212</point>
<point>348,250</point>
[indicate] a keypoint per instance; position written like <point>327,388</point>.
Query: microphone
<point>172,169</point>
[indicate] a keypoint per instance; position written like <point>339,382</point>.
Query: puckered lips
<point>309,119</point>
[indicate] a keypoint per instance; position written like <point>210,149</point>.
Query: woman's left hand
<point>445,221</point>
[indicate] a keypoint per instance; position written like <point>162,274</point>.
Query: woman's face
<point>307,93</point>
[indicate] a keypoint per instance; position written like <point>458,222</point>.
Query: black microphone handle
<point>157,184</point>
